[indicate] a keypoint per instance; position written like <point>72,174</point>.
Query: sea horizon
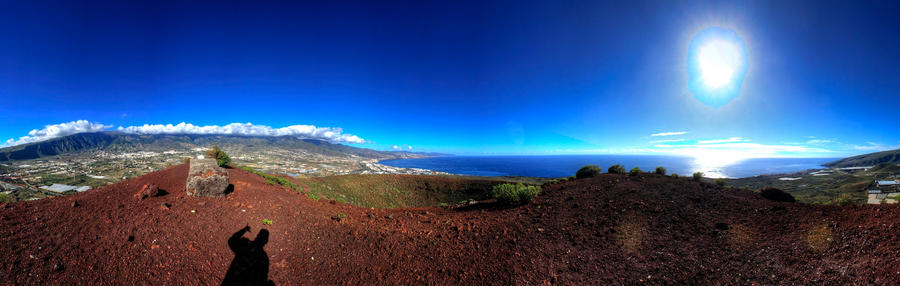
<point>563,165</point>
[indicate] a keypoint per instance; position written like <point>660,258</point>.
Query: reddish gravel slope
<point>610,229</point>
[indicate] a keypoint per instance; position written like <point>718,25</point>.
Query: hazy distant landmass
<point>871,159</point>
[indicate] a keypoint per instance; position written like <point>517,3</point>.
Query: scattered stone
<point>131,238</point>
<point>75,204</point>
<point>148,191</point>
<point>165,206</point>
<point>206,179</point>
<point>777,195</point>
<point>58,266</point>
<point>722,226</point>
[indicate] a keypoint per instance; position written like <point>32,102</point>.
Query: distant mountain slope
<point>122,142</point>
<point>871,159</point>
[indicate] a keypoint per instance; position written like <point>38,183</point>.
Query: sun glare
<point>718,62</point>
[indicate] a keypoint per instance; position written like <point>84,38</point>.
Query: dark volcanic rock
<point>777,195</point>
<point>148,191</point>
<point>206,179</point>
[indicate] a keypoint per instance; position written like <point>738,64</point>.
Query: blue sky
<point>511,77</point>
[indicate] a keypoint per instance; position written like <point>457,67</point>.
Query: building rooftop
<point>59,188</point>
<point>887,183</point>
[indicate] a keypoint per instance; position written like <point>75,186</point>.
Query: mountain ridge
<point>114,141</point>
<point>870,159</point>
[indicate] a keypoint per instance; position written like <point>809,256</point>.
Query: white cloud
<point>718,141</point>
<point>408,147</point>
<point>57,130</point>
<point>331,134</point>
<point>669,133</point>
<point>666,141</point>
<point>821,141</point>
<point>395,147</point>
<point>875,147</point>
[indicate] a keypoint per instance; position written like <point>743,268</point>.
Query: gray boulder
<point>206,179</point>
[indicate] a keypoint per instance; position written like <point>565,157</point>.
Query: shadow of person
<point>251,263</point>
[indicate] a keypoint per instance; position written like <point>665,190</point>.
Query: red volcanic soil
<point>612,229</point>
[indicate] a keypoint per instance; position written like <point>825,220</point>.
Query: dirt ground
<point>612,229</point>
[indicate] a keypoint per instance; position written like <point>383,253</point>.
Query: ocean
<point>552,166</point>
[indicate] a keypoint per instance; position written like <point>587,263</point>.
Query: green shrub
<point>720,182</point>
<point>6,198</point>
<point>267,221</point>
<point>843,199</point>
<point>616,169</point>
<point>674,175</point>
<point>698,176</point>
<point>660,170</point>
<point>588,171</point>
<point>215,153</point>
<point>635,171</point>
<point>514,194</point>
<point>552,181</point>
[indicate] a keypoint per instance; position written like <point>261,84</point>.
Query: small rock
<point>722,226</point>
<point>165,206</point>
<point>131,238</point>
<point>58,266</point>
<point>75,204</point>
<point>147,191</point>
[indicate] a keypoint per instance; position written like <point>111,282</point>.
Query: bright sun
<point>718,62</point>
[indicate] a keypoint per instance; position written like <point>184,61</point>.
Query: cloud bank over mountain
<point>331,134</point>
<point>57,130</point>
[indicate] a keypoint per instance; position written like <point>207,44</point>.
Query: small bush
<point>267,221</point>
<point>6,198</point>
<point>660,170</point>
<point>675,175</point>
<point>720,182</point>
<point>588,171</point>
<point>221,158</point>
<point>698,176</point>
<point>635,171</point>
<point>616,169</point>
<point>842,200</point>
<point>186,160</point>
<point>514,194</point>
<point>777,195</point>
